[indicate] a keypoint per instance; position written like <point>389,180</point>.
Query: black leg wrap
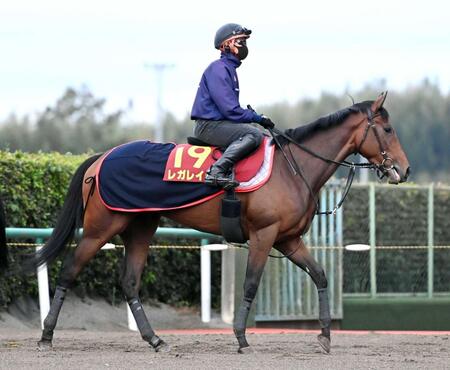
<point>240,323</point>
<point>146,330</point>
<point>155,341</point>
<point>324,312</point>
<point>52,317</point>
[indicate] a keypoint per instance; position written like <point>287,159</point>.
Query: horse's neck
<point>334,143</point>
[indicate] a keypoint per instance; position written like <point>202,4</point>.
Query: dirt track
<point>74,349</point>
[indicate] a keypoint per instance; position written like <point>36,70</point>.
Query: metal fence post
<point>372,231</point>
<point>323,228</point>
<point>430,240</point>
<point>228,282</point>
<point>44,296</point>
<point>340,242</point>
<point>205,277</point>
<point>331,250</point>
<point>132,325</point>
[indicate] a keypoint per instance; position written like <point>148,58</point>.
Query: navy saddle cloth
<point>130,179</point>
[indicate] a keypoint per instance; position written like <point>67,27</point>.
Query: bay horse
<point>3,249</point>
<point>276,215</point>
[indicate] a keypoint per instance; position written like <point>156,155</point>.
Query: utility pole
<point>159,69</point>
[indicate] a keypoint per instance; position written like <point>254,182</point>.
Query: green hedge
<point>33,186</point>
<point>33,189</point>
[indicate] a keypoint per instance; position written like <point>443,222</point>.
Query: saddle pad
<point>130,179</point>
<point>189,163</point>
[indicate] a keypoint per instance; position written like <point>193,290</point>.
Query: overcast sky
<point>298,48</point>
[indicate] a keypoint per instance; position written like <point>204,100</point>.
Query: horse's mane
<point>323,123</point>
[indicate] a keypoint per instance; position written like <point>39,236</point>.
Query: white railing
<point>205,265</point>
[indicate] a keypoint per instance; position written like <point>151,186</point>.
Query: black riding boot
<point>220,172</point>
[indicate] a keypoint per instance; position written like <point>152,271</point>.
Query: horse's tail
<point>3,250</point>
<point>70,218</point>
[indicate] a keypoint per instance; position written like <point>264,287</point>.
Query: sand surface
<point>92,334</point>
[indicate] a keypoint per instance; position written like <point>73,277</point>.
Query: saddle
<point>230,217</point>
<point>189,162</point>
<point>143,176</point>
<point>205,156</point>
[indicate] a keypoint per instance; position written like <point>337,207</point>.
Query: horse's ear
<point>384,98</point>
<point>378,103</point>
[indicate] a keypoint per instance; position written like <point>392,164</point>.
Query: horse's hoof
<point>162,347</point>
<point>246,350</point>
<point>324,342</point>
<point>45,345</point>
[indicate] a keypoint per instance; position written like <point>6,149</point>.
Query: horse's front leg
<point>297,252</point>
<point>261,242</point>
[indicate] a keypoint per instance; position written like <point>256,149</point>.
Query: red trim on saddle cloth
<point>189,163</point>
<point>260,178</point>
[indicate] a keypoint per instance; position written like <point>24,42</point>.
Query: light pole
<point>159,69</point>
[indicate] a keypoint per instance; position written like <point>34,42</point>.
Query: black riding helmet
<point>228,30</point>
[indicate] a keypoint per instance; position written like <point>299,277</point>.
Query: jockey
<point>220,120</point>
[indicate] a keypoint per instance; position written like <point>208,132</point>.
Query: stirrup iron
<point>226,183</point>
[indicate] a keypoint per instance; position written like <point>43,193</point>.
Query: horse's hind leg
<point>299,254</point>
<point>137,238</point>
<point>92,241</point>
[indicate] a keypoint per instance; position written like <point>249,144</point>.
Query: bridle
<point>382,168</point>
<point>296,170</point>
<point>387,164</point>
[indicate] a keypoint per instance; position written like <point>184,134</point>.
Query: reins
<point>386,165</point>
<point>296,170</point>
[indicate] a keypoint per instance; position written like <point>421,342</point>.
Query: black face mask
<point>242,52</point>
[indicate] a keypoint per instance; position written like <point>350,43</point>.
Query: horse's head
<point>377,140</point>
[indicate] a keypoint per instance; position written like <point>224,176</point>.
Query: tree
<point>78,123</point>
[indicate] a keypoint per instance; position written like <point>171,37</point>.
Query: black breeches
<point>223,133</point>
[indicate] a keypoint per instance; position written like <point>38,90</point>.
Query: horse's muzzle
<point>406,174</point>
<point>393,176</point>
<point>396,175</point>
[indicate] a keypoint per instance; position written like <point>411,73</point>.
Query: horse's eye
<point>388,129</point>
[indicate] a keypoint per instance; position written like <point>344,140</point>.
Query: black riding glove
<point>266,122</point>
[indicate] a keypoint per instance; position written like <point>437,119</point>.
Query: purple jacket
<point>218,93</point>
